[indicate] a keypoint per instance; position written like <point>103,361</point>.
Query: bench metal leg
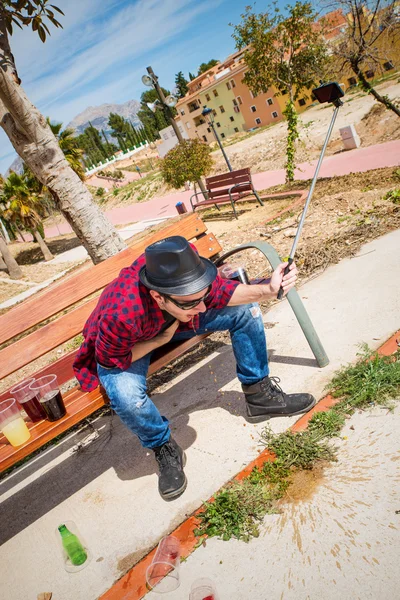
<point>233,204</point>
<point>258,197</point>
<point>293,298</point>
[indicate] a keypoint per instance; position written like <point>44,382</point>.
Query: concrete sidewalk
<point>109,486</point>
<point>360,160</point>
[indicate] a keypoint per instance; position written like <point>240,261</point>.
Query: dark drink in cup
<point>53,405</point>
<point>33,409</point>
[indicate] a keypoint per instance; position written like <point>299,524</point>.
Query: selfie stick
<point>337,103</point>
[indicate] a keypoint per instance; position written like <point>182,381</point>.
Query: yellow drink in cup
<point>16,432</point>
<point>12,424</point>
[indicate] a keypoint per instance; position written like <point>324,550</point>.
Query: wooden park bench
<point>58,314</point>
<point>229,187</point>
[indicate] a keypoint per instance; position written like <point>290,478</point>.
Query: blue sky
<point>105,46</point>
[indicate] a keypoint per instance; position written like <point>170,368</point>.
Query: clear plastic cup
<point>12,424</point>
<point>28,400</point>
<point>48,392</point>
<point>163,573</point>
<point>203,589</point>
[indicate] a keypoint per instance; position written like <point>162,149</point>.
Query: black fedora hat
<point>173,267</point>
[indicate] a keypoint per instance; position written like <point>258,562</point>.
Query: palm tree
<point>69,146</point>
<point>22,204</point>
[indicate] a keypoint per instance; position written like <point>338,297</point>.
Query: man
<point>171,293</point>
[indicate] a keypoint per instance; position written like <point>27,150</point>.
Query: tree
<point>368,42</point>
<point>188,161</point>
<point>34,141</point>
<point>191,76</point>
<point>208,65</point>
<point>68,144</point>
<point>286,51</point>
<point>22,205</point>
<point>121,129</point>
<point>181,84</point>
<point>157,120</point>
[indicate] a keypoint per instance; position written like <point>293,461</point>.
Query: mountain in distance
<point>98,116</point>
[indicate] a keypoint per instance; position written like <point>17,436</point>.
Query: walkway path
<point>360,160</point>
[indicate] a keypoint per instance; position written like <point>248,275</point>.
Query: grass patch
<point>239,507</point>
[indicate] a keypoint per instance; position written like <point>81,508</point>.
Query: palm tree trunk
<point>3,266</point>
<point>43,247</point>
<point>35,143</point>
<point>20,233</point>
<point>14,270</point>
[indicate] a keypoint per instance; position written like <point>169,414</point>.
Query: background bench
<point>229,187</point>
<point>51,318</point>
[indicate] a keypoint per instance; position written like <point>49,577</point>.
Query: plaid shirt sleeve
<point>222,291</point>
<point>114,342</point>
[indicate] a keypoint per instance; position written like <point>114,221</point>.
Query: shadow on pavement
<point>116,447</point>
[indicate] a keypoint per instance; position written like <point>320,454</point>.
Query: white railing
<point>115,159</point>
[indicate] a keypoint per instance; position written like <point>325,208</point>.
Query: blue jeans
<point>127,390</point>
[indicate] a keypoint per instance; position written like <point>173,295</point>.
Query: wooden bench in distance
<point>229,187</point>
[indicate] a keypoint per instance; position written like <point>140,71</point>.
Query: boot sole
<point>266,417</point>
<point>176,493</point>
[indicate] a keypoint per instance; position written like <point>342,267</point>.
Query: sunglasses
<point>191,303</point>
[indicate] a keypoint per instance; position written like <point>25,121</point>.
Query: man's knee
<point>126,393</point>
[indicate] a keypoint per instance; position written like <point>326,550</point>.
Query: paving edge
<point>132,586</point>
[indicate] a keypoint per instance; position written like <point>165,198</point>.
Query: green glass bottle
<point>72,546</point>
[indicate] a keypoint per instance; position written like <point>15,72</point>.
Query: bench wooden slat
<point>43,340</point>
<point>224,177</point>
<point>79,286</point>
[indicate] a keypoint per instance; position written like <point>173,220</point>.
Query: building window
<point>182,112</point>
<point>218,124</point>
<point>388,65</point>
<point>188,125</point>
<point>253,108</point>
<point>228,85</point>
<point>275,115</point>
<point>270,101</point>
<point>222,135</point>
<point>209,130</point>
<point>215,93</point>
<point>302,102</point>
<point>369,74</point>
<point>204,138</point>
<point>258,121</point>
<point>352,81</point>
<point>234,102</point>
<point>236,130</point>
<point>253,94</point>
<point>238,98</point>
<point>221,108</point>
<point>208,97</point>
<point>214,112</point>
<point>231,119</point>
<point>233,84</point>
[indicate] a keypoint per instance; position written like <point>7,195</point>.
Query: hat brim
<point>185,289</point>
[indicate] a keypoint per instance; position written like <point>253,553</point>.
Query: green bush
<point>188,161</point>
<point>100,192</point>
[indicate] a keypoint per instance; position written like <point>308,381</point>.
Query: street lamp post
<point>151,80</point>
<point>207,112</point>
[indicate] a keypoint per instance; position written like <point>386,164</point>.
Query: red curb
<point>132,586</point>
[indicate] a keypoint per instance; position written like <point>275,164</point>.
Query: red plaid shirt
<point>126,314</point>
